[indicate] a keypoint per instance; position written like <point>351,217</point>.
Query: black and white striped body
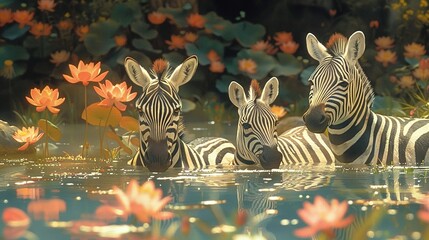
<point>257,140</point>
<point>159,109</point>
<point>340,101</point>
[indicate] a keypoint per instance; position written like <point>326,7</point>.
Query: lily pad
<point>177,15</point>
<point>219,26</point>
<point>222,84</point>
<point>123,14</point>
<point>247,33</point>
<point>143,44</point>
<point>174,58</point>
<point>306,73</point>
<point>129,123</point>
<point>264,63</point>
<point>387,105</point>
<point>50,129</point>
<point>143,29</point>
<point>13,31</point>
<point>101,115</point>
<point>202,46</point>
<point>12,52</point>
<point>287,65</point>
<point>100,40</point>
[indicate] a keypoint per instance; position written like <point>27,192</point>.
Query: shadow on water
<point>59,192</point>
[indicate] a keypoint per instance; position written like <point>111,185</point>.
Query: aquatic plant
<point>322,216</point>
<point>27,136</point>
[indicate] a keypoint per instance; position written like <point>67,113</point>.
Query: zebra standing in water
<point>340,100</point>
<point>257,140</point>
<point>159,108</point>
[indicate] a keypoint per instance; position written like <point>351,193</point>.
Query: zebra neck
<point>240,160</point>
<point>350,139</point>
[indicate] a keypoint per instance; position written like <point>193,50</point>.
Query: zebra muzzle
<point>270,157</point>
<point>157,157</point>
<point>316,119</point>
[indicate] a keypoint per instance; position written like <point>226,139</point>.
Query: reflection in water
<point>212,203</point>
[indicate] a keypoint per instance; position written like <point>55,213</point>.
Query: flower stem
<point>84,146</point>
<point>46,148</point>
<point>104,131</point>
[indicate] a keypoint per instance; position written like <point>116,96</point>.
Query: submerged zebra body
<point>340,100</point>
<point>257,140</point>
<point>159,107</point>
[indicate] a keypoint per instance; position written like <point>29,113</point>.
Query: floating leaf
<point>387,105</point>
<point>222,84</point>
<point>13,31</point>
<point>51,129</point>
<point>177,15</point>
<point>202,46</point>
<point>122,13</point>
<point>264,63</point>
<point>306,73</point>
<point>143,44</point>
<point>100,40</point>
<point>101,115</point>
<point>129,123</point>
<point>219,26</point>
<point>142,29</point>
<point>174,58</point>
<point>288,65</point>
<point>247,33</point>
<point>12,52</point>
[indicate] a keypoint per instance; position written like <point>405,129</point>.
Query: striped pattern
<point>159,107</point>
<point>257,139</point>
<point>340,100</point>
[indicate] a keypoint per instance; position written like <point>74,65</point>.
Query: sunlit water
<point>384,201</point>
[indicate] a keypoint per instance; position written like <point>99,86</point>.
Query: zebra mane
<point>337,44</point>
<point>255,90</point>
<point>337,47</point>
<point>161,69</point>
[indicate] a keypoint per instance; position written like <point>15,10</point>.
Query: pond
<point>62,195</point>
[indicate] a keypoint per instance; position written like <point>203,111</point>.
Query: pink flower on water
<point>27,136</point>
<point>85,73</point>
<point>322,216</point>
<point>115,94</point>
<point>144,201</point>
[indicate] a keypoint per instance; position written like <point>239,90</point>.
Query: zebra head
<point>257,125</point>
<point>335,87</point>
<point>159,108</point>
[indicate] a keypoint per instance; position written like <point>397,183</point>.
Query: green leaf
<point>174,58</point>
<point>6,3</point>
<point>306,73</point>
<point>12,52</point>
<point>142,29</point>
<point>222,84</point>
<point>177,15</point>
<point>12,32</point>
<point>202,46</point>
<point>247,33</point>
<point>143,44</point>
<point>219,26</point>
<point>123,14</point>
<point>97,45</point>
<point>264,63</point>
<point>51,129</point>
<point>106,28</point>
<point>387,105</point>
<point>287,65</point>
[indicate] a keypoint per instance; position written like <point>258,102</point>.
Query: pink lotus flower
<point>322,216</point>
<point>28,136</point>
<point>47,209</point>
<point>144,201</point>
<point>47,98</point>
<point>85,73</point>
<point>115,94</point>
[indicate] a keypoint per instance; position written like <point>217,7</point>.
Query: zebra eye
<point>246,125</point>
<point>343,84</point>
<point>176,111</point>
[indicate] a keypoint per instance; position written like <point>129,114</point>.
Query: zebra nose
<point>315,119</point>
<point>157,157</point>
<point>270,157</point>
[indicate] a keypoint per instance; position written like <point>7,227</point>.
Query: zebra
<point>257,141</point>
<point>161,128</point>
<point>340,100</point>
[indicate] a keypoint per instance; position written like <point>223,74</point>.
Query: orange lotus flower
<point>196,20</point>
<point>6,16</point>
<point>289,47</point>
<point>384,42</point>
<point>46,209</point>
<point>40,29</point>
<point>247,66</point>
<point>177,42</point>
<point>374,24</point>
<point>115,94</point>
<point>46,5</point>
<point>28,136</point>
<point>217,67</point>
<point>47,98</point>
<point>283,37</point>
<point>85,73</point>
<point>81,32</point>
<point>190,37</point>
<point>156,18</point>
<point>213,56</point>
<point>120,40</point>
<point>279,111</point>
<point>144,201</point>
<point>23,17</point>
<point>406,82</point>
<point>414,50</point>
<point>424,63</point>
<point>385,57</point>
<point>322,216</point>
<point>421,73</point>
<point>65,25</point>
<point>15,217</point>
<point>264,46</point>
<point>59,57</point>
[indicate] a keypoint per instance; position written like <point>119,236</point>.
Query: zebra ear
<point>270,91</point>
<point>236,94</point>
<point>137,73</point>
<point>184,72</point>
<point>316,50</point>
<point>355,47</point>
